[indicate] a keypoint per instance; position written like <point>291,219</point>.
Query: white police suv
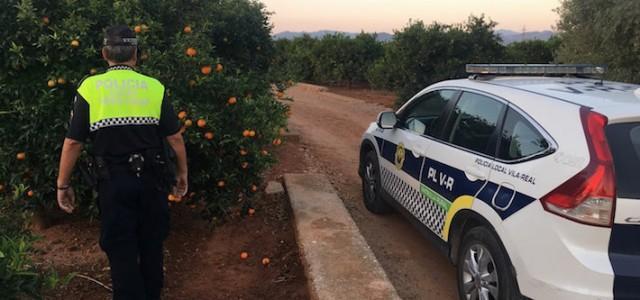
<point>529,182</point>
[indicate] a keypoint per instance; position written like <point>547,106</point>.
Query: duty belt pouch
<point>88,172</point>
<point>136,164</point>
<point>101,169</point>
<point>162,169</point>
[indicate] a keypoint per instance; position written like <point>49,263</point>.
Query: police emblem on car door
<point>405,150</point>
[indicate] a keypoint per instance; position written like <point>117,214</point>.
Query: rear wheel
<point>484,270</point>
<point>372,186</point>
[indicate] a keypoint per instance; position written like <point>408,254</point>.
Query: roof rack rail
<point>536,69</point>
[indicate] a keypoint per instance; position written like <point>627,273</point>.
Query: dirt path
<point>332,126</point>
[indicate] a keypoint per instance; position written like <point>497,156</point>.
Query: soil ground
<point>202,262</point>
<point>380,97</point>
<point>332,126</point>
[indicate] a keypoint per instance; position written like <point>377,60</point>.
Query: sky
<point>387,15</point>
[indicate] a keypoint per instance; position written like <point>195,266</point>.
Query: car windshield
<point>624,140</point>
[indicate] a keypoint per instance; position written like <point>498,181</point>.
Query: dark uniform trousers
<point>135,222</point>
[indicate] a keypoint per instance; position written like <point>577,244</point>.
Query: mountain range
<point>508,36</point>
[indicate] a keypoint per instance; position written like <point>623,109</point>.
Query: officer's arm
<point>177,143</point>
<point>71,150</point>
<point>77,134</point>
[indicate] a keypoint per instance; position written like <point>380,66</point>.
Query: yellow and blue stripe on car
<point>437,202</point>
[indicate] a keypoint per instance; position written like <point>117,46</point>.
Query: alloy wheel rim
<point>479,274</point>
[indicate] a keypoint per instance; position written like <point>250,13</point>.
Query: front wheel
<point>372,186</point>
<point>484,269</point>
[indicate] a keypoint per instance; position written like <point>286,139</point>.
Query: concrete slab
<point>274,187</point>
<point>338,262</point>
<point>274,191</point>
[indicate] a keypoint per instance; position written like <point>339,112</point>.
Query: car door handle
<point>418,152</point>
<point>474,173</point>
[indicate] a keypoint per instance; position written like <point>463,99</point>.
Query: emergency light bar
<point>536,69</point>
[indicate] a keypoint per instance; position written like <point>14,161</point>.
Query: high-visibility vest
<point>122,97</point>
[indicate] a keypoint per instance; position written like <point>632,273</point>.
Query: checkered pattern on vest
<point>124,121</point>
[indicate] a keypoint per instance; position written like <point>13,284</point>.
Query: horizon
<point>387,16</point>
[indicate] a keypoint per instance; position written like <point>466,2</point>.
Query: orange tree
<point>212,56</point>
<point>422,54</point>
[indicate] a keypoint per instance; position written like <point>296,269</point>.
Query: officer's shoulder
<point>151,79</point>
<point>88,78</point>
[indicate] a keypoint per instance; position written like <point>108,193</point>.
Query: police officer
<point>128,120</point>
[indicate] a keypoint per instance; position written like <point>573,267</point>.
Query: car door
<point>457,167</point>
<point>522,141</point>
<point>420,124</point>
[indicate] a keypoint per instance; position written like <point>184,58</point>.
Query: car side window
<point>475,118</point>
<point>426,116</point>
<point>520,138</point>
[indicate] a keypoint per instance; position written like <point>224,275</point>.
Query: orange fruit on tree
<point>187,29</point>
<point>174,198</point>
<point>208,135</point>
<point>51,83</point>
<point>244,255</point>
<point>219,68</point>
<point>191,52</point>
<point>61,80</point>
<point>251,211</point>
<point>252,133</point>
<point>21,156</point>
<point>277,142</point>
<point>188,123</point>
<point>246,133</point>
<point>254,188</point>
<point>45,20</point>
<point>243,152</point>
<point>245,165</point>
<point>280,95</point>
<point>232,100</point>
<point>206,70</point>
<point>201,123</point>
<point>75,43</point>
<point>266,261</point>
<point>264,152</point>
<point>137,29</point>
<point>1,188</point>
<point>182,114</point>
<point>221,184</point>
<point>30,193</point>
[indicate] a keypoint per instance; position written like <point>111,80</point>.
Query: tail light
<point>589,196</point>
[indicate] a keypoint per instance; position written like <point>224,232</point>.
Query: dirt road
<point>332,125</point>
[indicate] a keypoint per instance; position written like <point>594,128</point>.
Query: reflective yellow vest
<point>122,97</point>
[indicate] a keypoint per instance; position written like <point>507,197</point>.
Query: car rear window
<point>520,138</point>
<point>624,141</point>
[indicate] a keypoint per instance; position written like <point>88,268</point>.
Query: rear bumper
<point>624,254</point>
<point>556,258</point>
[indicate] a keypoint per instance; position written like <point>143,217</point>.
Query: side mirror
<point>387,120</point>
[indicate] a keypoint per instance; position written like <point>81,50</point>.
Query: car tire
<point>485,268</point>
<point>372,185</point>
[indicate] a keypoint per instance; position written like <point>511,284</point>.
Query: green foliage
<point>295,59</point>
<point>532,52</point>
<point>18,276</point>
<point>602,31</point>
<point>235,34</point>
<point>420,54</point>
<point>335,59</point>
